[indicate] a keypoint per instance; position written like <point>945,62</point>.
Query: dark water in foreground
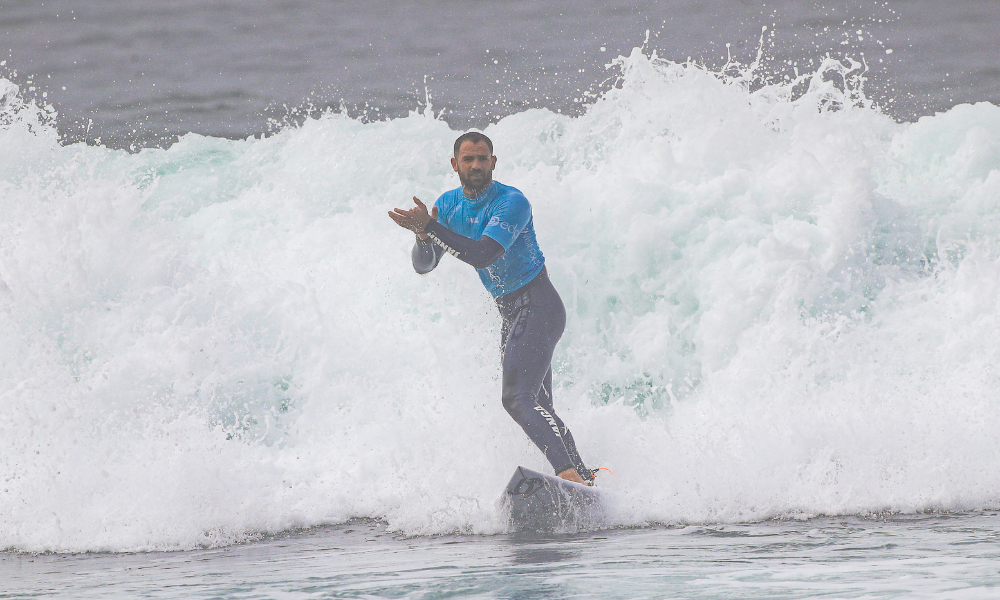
<point>922,556</point>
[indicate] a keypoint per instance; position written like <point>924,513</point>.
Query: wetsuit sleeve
<point>425,256</point>
<point>509,220</point>
<point>478,253</point>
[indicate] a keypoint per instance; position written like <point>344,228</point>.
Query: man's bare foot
<point>572,475</point>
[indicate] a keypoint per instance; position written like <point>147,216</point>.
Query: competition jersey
<point>503,214</point>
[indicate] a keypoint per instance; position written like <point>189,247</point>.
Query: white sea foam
<point>780,301</point>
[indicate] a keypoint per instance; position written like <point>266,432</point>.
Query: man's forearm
<point>478,253</point>
<point>425,256</point>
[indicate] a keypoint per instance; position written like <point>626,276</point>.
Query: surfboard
<point>539,502</point>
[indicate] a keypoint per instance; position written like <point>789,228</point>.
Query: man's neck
<point>473,193</point>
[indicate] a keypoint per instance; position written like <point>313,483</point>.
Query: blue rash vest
<point>503,214</point>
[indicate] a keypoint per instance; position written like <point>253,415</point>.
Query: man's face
<point>474,165</point>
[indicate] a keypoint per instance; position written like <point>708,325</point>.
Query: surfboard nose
<point>546,503</point>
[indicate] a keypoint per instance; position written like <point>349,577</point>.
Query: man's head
<point>474,161</point>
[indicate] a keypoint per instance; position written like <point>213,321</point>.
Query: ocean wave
<point>781,302</point>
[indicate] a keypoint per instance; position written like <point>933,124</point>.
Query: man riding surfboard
<point>488,225</point>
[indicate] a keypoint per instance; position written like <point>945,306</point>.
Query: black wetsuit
<point>533,321</point>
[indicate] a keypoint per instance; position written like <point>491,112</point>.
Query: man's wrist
<point>424,233</point>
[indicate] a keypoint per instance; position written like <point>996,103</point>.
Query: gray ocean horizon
<point>142,73</point>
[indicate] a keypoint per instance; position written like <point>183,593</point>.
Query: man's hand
<point>415,219</point>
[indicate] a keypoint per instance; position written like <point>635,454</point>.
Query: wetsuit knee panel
<point>516,403</point>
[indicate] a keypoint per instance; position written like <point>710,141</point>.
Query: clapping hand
<point>415,219</point>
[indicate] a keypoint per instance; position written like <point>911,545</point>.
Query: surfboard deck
<point>540,502</point>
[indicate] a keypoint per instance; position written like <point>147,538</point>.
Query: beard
<point>475,180</point>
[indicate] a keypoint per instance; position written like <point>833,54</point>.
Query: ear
<point>494,163</point>
<point>454,164</point>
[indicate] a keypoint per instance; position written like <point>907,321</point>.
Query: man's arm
<point>425,255</point>
<point>478,253</point>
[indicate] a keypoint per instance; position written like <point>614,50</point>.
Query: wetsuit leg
<point>545,401</point>
<point>533,322</point>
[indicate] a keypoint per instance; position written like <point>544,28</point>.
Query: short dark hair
<point>472,136</point>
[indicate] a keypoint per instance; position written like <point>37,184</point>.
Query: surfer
<point>488,225</point>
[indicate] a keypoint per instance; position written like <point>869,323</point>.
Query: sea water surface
<point>917,556</point>
<point>221,378</point>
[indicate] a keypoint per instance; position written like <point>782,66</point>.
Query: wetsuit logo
<point>443,245</point>
<point>549,419</point>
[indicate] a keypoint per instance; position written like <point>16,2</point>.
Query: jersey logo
<point>511,228</point>
<point>495,221</point>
